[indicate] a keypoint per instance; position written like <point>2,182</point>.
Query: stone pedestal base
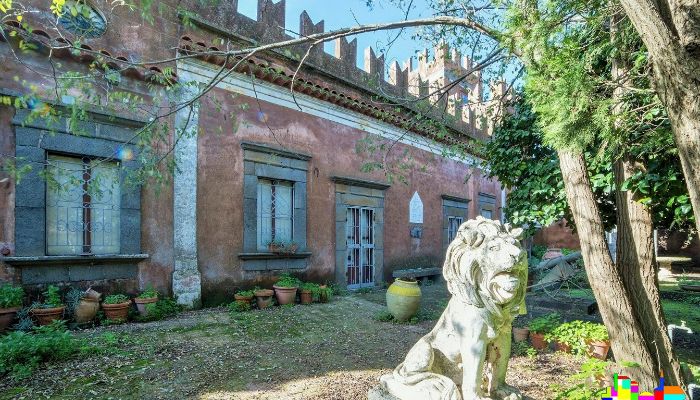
<point>379,393</point>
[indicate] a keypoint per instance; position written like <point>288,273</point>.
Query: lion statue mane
<point>465,356</point>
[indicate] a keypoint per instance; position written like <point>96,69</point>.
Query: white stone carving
<point>415,209</point>
<point>465,356</point>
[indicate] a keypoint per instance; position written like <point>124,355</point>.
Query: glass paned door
<point>359,228</point>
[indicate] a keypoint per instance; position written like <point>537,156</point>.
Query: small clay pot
<point>141,304</point>
<point>537,341</point>
<point>264,298</point>
<point>7,315</point>
<point>285,295</point>
<point>598,349</point>
<point>243,299</point>
<point>86,310</point>
<point>305,296</point>
<point>117,312</point>
<point>562,347</point>
<point>45,316</point>
<point>520,334</point>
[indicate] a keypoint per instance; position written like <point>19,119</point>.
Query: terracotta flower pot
<point>86,310</point>
<point>598,349</point>
<point>520,334</point>
<point>243,299</point>
<point>306,297</point>
<point>141,305</point>
<point>45,316</point>
<point>403,299</point>
<point>7,315</point>
<point>117,312</point>
<point>264,298</point>
<point>562,347</point>
<point>285,295</point>
<point>537,341</point>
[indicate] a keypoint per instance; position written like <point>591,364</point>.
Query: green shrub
<point>116,299</point>
<point>11,296</point>
<point>247,293</point>
<point>591,373</point>
<point>149,293</point>
<point>21,352</point>
<point>545,324</point>
<point>239,306</point>
<point>384,316</point>
<point>576,333</point>
<point>538,251</point>
<point>52,298</point>
<point>161,309</point>
<point>288,281</point>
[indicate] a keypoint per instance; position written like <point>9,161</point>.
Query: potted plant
<point>325,293</point>
<point>51,309</point>
<point>84,304</point>
<point>148,296</point>
<point>286,289</point>
<point>10,302</point>
<point>520,331</point>
<point>309,292</point>
<point>245,296</point>
<point>567,337</point>
<point>598,341</point>
<point>541,326</point>
<point>116,307</point>
<point>275,246</point>
<point>263,297</point>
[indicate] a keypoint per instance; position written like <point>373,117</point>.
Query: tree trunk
<point>614,302</point>
<point>670,31</point>
<point>637,266</point>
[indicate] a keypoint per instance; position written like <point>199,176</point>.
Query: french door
<point>359,229</point>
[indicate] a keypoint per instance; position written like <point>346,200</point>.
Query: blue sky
<point>345,13</point>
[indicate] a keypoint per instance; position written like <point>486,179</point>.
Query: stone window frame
<point>452,206</point>
<point>262,161</point>
<point>100,136</point>
<point>353,192</point>
<point>487,202</point>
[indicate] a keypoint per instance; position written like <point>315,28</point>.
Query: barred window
<point>275,212</point>
<point>82,206</point>
<point>453,224</point>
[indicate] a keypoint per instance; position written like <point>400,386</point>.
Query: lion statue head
<point>486,266</point>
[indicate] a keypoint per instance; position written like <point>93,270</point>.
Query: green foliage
<point>585,384</point>
<point>521,348</point>
<point>149,293</point>
<point>239,306</point>
<point>538,251</point>
<point>545,324</point>
<point>21,352</point>
<point>288,281</point>
<point>11,296</point>
<point>116,299</point>
<point>52,298</point>
<point>161,309</point>
<point>576,333</point>
<point>384,316</point>
<point>247,293</point>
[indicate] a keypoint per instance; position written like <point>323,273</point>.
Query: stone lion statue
<point>466,354</point>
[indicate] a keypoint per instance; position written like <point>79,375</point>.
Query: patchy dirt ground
<point>324,351</point>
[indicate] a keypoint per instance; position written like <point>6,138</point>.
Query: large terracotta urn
<point>403,299</point>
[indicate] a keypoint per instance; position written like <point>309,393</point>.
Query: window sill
<point>90,259</point>
<point>273,256</point>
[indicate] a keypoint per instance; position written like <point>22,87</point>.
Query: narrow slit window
<point>275,212</point>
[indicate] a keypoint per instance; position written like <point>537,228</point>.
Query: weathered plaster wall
<point>332,147</point>
<point>557,235</point>
<point>7,195</point>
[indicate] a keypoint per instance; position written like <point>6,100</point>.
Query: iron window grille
<point>83,199</point>
<point>453,224</point>
<point>275,212</point>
